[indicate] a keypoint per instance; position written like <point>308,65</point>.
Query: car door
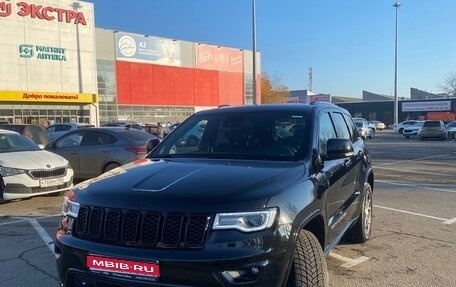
<point>68,147</point>
<point>95,152</point>
<point>341,174</point>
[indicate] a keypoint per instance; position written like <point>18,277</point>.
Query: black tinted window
<point>326,131</point>
<point>351,127</point>
<point>341,127</point>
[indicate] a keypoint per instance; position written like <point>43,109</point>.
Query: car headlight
<point>245,221</point>
<point>9,171</point>
<point>70,207</point>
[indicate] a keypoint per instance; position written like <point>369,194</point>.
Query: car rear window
<point>431,124</point>
<point>135,135</point>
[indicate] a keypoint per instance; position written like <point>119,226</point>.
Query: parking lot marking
<point>22,219</point>
<point>43,234</point>
<point>450,221</point>
<point>348,261</point>
<point>414,213</point>
<point>414,171</point>
<point>415,186</point>
<point>409,160</point>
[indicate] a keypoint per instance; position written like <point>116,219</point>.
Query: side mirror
<point>339,148</point>
<point>151,144</point>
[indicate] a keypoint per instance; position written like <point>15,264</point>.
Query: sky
<point>349,44</point>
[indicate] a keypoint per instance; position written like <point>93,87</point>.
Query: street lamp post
<point>254,52</point>
<point>396,104</point>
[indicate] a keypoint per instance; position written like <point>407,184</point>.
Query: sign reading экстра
<point>42,52</point>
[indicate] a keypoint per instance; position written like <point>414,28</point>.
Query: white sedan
<point>28,170</point>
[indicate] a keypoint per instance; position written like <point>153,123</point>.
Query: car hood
<point>32,160</point>
<point>190,185</point>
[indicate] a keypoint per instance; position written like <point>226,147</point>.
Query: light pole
<point>396,104</point>
<point>254,52</point>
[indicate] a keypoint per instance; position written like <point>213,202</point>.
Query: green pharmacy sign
<point>42,52</point>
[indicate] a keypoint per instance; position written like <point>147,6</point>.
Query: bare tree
<point>449,85</point>
<point>272,91</point>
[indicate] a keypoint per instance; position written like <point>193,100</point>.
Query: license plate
<point>124,268</point>
<point>51,182</point>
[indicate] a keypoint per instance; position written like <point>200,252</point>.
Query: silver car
<point>94,151</point>
<point>433,129</point>
<point>365,130</point>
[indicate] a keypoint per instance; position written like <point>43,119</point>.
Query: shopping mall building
<point>56,66</point>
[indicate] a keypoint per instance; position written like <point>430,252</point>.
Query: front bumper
<point>229,258</point>
<point>23,186</point>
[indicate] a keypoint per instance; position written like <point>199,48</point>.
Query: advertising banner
<point>219,58</point>
<point>431,106</point>
<point>44,97</point>
<point>147,49</point>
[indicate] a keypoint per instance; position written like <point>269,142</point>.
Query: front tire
<point>309,264</point>
<point>361,231</point>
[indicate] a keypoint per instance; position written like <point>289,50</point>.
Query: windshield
<point>262,136</point>
<point>10,142</point>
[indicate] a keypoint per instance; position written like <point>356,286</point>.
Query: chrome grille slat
<point>47,173</point>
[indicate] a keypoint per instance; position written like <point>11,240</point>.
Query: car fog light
<point>245,275</point>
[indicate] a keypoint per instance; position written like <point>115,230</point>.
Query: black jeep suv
<point>260,200</point>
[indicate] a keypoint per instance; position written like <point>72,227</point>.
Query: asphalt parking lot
<point>414,229</point>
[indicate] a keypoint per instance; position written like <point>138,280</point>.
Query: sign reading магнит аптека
<point>42,52</point>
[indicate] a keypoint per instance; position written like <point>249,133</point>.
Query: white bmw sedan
<point>28,170</point>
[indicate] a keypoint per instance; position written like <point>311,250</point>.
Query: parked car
<point>451,130</point>
<point>433,129</point>
<point>193,136</point>
<point>132,125</point>
<point>96,150</point>
<point>412,131</point>
<point>364,129</point>
<point>35,133</point>
<point>56,130</point>
<point>378,125</point>
<point>402,125</point>
<point>27,170</point>
<point>159,129</point>
<point>243,207</point>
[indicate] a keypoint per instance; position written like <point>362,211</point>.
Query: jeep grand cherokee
<point>260,200</point>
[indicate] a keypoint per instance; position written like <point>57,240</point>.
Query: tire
<point>372,134</point>
<point>407,137</point>
<point>110,166</point>
<point>361,231</point>
<point>308,267</point>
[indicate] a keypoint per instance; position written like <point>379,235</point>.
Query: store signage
<point>431,106</point>
<point>39,97</point>
<point>219,58</point>
<point>42,52</point>
<point>47,13</point>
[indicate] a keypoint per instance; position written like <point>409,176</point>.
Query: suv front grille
<point>47,173</point>
<point>142,228</point>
